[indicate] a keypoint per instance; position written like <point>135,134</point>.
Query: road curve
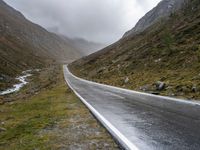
<point>138,120</point>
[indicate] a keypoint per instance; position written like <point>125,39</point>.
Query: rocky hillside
<point>24,44</point>
<point>163,59</point>
<point>163,10</point>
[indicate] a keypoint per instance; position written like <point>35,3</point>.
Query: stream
<point>17,87</point>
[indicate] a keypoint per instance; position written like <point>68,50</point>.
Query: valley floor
<point>45,114</point>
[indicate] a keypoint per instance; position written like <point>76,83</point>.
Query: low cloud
<point>102,21</point>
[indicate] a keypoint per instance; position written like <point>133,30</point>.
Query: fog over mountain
<point>99,21</point>
<point>163,10</point>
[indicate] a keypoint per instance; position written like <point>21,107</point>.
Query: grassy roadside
<point>182,84</point>
<point>52,118</point>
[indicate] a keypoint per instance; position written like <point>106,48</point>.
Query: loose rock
<point>195,89</point>
<point>145,88</point>
<point>2,129</point>
<point>160,85</point>
<point>126,80</point>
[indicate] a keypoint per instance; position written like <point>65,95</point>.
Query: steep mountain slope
<point>163,10</point>
<point>168,51</point>
<point>24,45</point>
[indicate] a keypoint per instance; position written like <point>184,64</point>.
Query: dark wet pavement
<point>148,127</point>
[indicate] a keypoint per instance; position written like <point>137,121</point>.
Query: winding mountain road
<point>138,120</point>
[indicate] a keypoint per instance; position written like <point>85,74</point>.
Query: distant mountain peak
<point>164,9</point>
<point>85,46</point>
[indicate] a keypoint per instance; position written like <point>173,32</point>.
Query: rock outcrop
<point>164,9</point>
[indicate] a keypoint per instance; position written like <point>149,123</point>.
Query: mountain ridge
<point>162,11</point>
<point>167,53</point>
<point>26,45</point>
<point>85,46</point>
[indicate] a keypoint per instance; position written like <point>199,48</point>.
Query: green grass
<point>47,121</point>
<point>24,118</point>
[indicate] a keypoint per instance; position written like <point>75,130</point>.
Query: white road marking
<point>114,131</point>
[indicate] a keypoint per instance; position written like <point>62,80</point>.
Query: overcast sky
<point>103,21</point>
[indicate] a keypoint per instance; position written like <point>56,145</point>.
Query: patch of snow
<point>17,87</point>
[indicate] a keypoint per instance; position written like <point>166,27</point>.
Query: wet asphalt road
<point>147,127</point>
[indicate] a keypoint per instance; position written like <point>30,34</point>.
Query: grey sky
<point>102,21</point>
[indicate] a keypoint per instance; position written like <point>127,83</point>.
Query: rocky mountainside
<point>20,37</point>
<point>24,44</point>
<point>163,10</point>
<point>163,59</point>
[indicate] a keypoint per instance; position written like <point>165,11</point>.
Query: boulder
<point>160,85</point>
<point>195,89</point>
